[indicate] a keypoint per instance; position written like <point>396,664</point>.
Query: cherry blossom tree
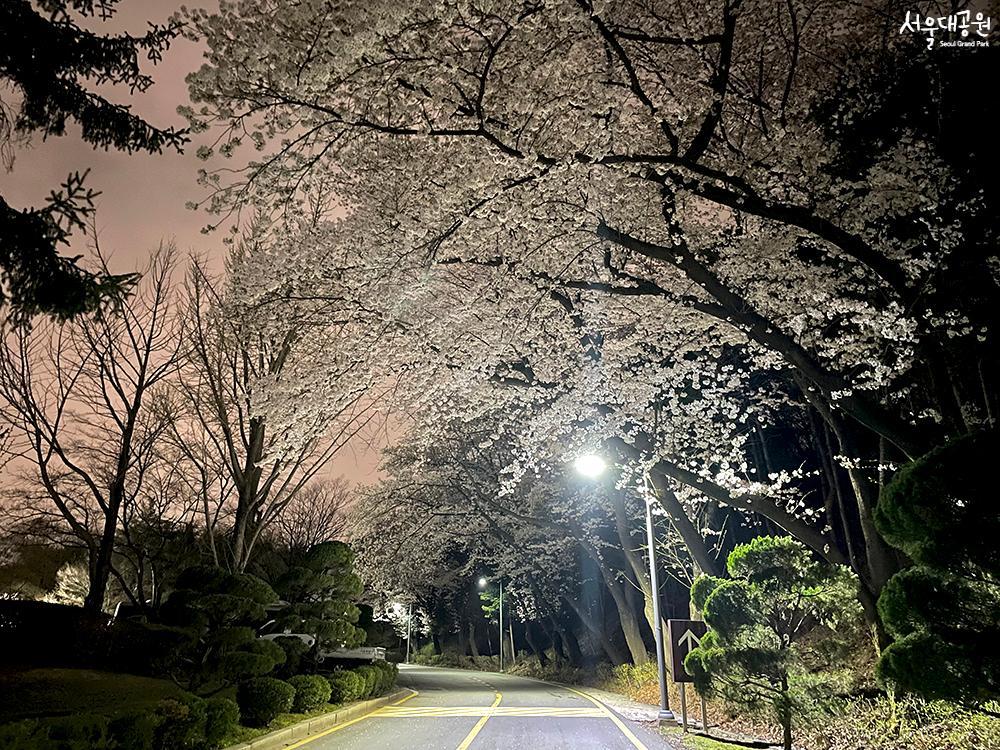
<point>272,389</point>
<point>717,239</point>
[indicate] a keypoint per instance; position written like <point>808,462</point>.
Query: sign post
<point>685,636</point>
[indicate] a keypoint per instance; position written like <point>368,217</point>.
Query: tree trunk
<point>609,647</point>
<point>101,568</point>
<point>626,617</point>
<point>539,653</point>
<point>785,715</point>
<point>473,646</point>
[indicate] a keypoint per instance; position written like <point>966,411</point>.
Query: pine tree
<point>46,57</point>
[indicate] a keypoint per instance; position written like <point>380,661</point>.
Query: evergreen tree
<point>944,612</point>
<point>221,611</point>
<point>46,57</point>
<point>321,589</point>
<point>756,652</point>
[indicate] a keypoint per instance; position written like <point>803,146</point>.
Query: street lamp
<point>482,584</point>
<point>592,466</point>
<point>589,465</point>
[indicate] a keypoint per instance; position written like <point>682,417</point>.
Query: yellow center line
<point>608,713</point>
<point>499,711</point>
<point>479,725</point>
<point>300,743</point>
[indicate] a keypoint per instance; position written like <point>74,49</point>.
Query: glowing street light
<point>592,466</point>
<point>482,584</point>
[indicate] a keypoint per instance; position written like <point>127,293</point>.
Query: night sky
<point>142,195</point>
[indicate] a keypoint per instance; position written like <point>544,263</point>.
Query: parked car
<point>271,630</point>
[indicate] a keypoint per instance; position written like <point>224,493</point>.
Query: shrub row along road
<point>454,709</point>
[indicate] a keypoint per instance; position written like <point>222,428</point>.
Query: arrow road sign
<point>685,636</point>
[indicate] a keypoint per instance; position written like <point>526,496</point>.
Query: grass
<point>35,693</point>
<point>697,742</point>
<point>245,734</point>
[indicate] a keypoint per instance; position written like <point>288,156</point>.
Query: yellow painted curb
<point>310,729</point>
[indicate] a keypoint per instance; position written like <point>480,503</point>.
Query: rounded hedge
<point>345,686</point>
<point>370,675</point>
<point>311,691</point>
<point>389,672</point>
<point>136,731</point>
<point>222,717</point>
<point>183,722</point>
<point>262,699</point>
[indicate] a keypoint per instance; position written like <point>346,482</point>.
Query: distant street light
<point>482,584</point>
<point>592,466</point>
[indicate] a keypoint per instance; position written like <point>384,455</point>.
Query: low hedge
<point>311,691</point>
<point>262,699</point>
<point>371,676</point>
<point>187,724</point>
<point>362,682</point>
<point>345,686</point>
<point>222,718</point>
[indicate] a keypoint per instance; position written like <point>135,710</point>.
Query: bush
<point>345,686</point>
<point>23,735</point>
<point>388,672</point>
<point>262,699</point>
<point>84,732</point>
<point>135,731</point>
<point>182,723</point>
<point>942,613</point>
<point>222,719</point>
<point>311,691</point>
<point>761,648</point>
<point>187,724</point>
<point>370,676</point>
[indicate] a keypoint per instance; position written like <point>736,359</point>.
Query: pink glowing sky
<point>143,196</point>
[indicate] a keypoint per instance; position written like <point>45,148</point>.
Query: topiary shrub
<point>295,651</point>
<point>221,612</point>
<point>759,650</point>
<point>262,699</point>
<point>944,612</point>
<point>345,686</point>
<point>311,691</point>
<point>222,719</point>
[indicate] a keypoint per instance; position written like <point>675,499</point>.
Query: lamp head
<point>482,583</point>
<point>589,465</point>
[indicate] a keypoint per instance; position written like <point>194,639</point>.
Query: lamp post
<point>482,585</point>
<point>409,629</point>
<point>592,466</point>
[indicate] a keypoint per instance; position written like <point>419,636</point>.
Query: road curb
<point>307,727</point>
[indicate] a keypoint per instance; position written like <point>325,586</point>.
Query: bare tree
<point>75,397</point>
<point>316,514</point>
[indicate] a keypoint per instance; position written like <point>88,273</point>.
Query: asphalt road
<point>455,709</point>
